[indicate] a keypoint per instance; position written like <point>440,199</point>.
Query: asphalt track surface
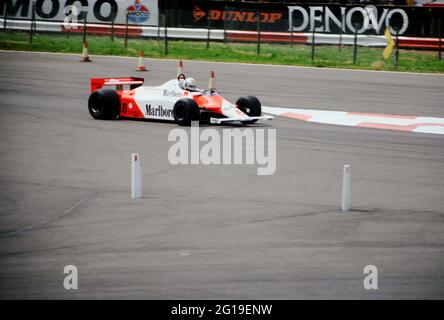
<point>218,232</point>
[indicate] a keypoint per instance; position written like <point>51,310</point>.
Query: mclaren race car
<point>176,100</point>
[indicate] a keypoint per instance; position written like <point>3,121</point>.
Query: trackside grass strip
<point>279,54</point>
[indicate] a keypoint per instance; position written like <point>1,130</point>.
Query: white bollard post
<point>346,188</point>
<point>136,177</point>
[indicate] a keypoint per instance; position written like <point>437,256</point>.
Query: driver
<point>190,84</point>
<point>181,78</point>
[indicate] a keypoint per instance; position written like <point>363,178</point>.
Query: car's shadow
<point>204,123</point>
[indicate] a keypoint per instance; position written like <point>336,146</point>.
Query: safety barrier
<point>220,35</point>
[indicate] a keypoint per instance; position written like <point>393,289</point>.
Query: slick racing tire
<point>251,106</point>
<point>104,104</point>
<point>185,111</point>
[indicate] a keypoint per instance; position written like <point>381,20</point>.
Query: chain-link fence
<point>332,25</point>
<point>286,25</point>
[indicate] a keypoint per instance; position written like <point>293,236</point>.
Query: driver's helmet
<point>190,84</point>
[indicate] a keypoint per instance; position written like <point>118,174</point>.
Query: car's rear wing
<point>133,82</point>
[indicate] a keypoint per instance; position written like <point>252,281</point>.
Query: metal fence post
<point>126,31</point>
<point>31,34</point>
<point>158,29</point>
<point>68,28</point>
<point>397,49</point>
<point>112,29</point>
<point>341,31</point>
<point>355,45</point>
<point>258,18</point>
<point>209,29</point>
<point>313,40</point>
<point>5,15</point>
<point>439,39</point>
<point>225,27</point>
<point>291,30</point>
<point>84,26</point>
<point>165,34</point>
<point>432,21</point>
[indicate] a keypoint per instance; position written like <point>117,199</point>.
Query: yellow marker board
<point>390,44</point>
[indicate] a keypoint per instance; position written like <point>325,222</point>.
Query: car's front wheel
<point>251,106</point>
<point>104,104</point>
<point>185,111</point>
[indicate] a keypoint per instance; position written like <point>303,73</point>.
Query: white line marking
<point>430,125</point>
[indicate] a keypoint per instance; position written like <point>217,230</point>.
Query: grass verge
<point>299,55</point>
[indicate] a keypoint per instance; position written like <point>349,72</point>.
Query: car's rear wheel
<point>104,104</point>
<point>251,106</point>
<point>185,111</point>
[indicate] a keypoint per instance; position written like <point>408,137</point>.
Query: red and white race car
<point>169,101</point>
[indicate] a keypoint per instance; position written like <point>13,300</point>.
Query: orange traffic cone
<point>85,56</point>
<point>180,68</point>
<point>211,82</point>
<point>141,65</point>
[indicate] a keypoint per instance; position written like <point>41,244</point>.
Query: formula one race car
<point>174,100</point>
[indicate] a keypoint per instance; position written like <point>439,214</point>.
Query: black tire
<point>185,111</point>
<point>104,104</point>
<point>251,106</point>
